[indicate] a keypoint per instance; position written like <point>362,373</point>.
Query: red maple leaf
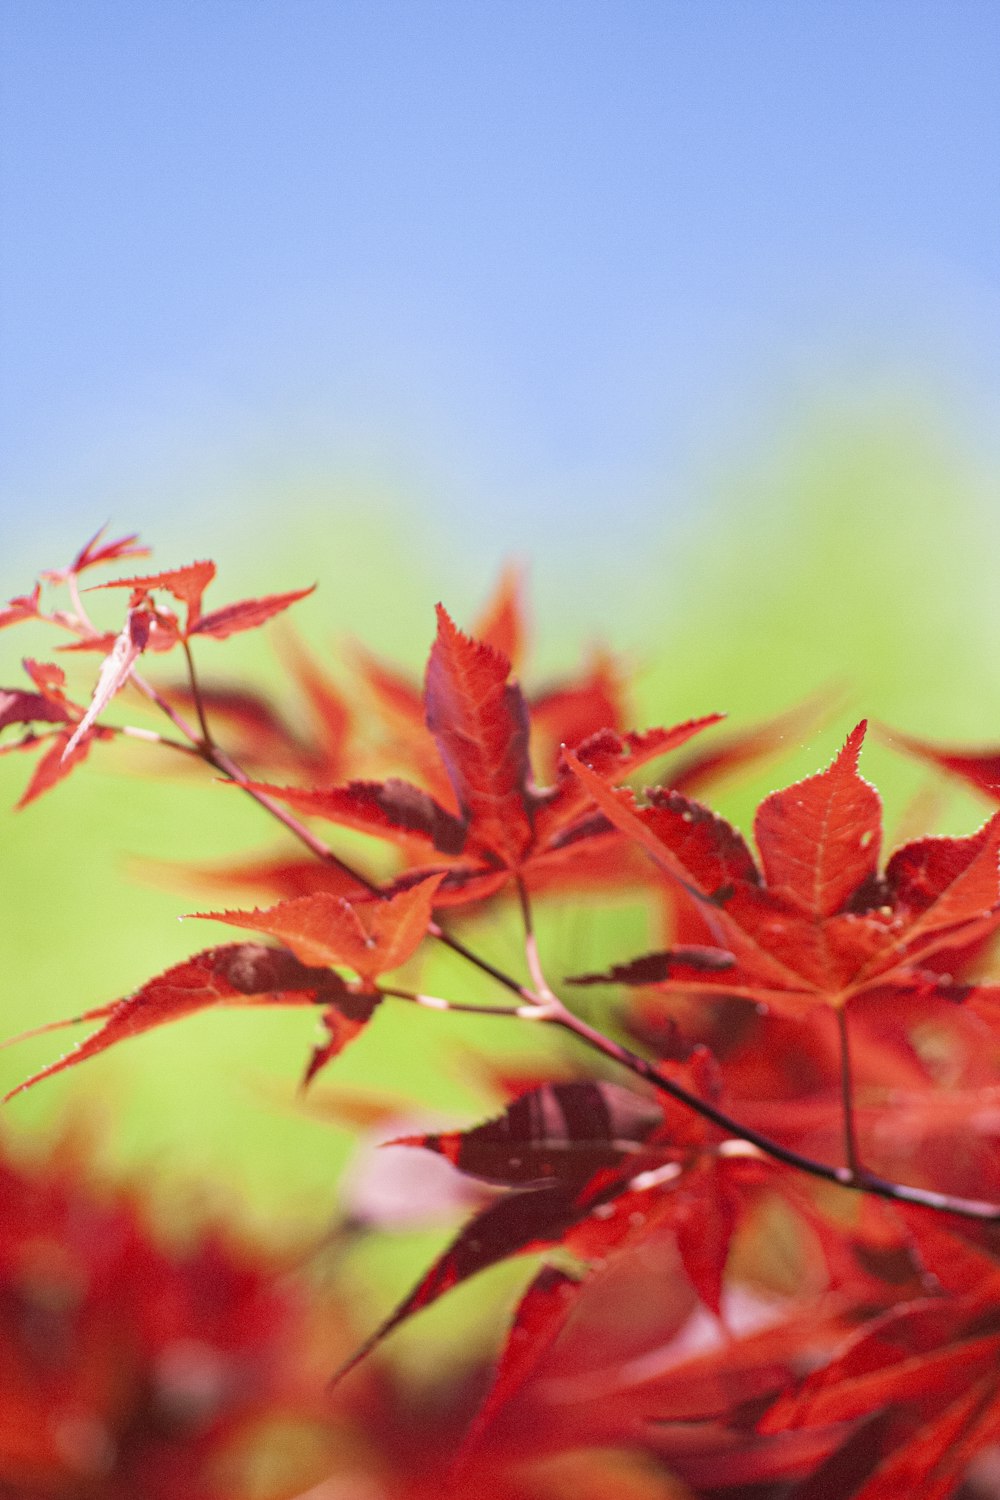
<point>237,974</point>
<point>816,922</point>
<point>500,825</point>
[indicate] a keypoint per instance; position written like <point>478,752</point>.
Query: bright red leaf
<point>368,936</point>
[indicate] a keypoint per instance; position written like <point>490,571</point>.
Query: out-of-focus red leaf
<point>977,768</point>
<point>19,707</point>
<point>58,761</point>
<point>368,936</point>
<point>236,974</point>
<point>94,552</point>
<point>266,873</point>
<point>24,607</point>
<point>741,748</point>
<point>570,712</point>
<point>501,624</point>
<point>48,678</point>
<point>255,732</point>
<point>330,711</point>
<point>707,1211</point>
<point>248,614</point>
<point>932,1461</point>
<point>480,723</point>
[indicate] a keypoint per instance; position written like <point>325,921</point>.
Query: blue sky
<point>536,267</point>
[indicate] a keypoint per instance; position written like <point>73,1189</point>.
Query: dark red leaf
<point>514,1224</point>
<point>237,974</point>
<point>564,1131</point>
<point>654,968</point>
<point>392,809</point>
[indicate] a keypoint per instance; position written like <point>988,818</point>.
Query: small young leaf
<point>248,614</point>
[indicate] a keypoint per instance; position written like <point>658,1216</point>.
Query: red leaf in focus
<point>819,839</point>
<point>368,936</point>
<point>824,926</point>
<point>480,723</point>
<point>237,974</point>
<point>248,614</point>
<point>187,584</point>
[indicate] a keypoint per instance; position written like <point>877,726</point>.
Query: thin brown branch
<point>199,702</point>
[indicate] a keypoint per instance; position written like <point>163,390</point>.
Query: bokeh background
<point>690,308</point>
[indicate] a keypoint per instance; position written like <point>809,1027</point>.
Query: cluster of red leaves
<point>129,1369</point>
<point>815,1025</point>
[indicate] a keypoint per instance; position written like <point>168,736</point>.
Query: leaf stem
<point>847,1095</point>
<point>199,702</point>
<point>538,979</point>
<point>437,1002</point>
